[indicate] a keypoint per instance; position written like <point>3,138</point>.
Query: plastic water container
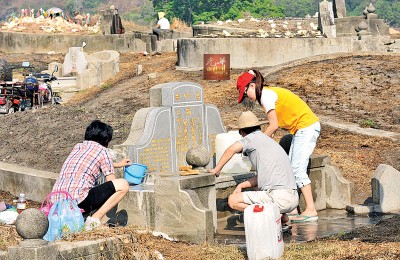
<point>238,163</point>
<point>263,230</point>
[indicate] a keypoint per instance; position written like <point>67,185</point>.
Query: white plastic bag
<point>8,217</point>
<point>263,230</point>
<point>65,217</point>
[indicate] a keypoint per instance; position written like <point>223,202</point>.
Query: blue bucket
<point>135,173</point>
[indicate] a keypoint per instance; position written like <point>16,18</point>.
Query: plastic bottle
<point>21,203</point>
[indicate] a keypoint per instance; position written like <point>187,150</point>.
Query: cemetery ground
<point>362,90</point>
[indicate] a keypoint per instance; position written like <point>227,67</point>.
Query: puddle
<point>231,230</point>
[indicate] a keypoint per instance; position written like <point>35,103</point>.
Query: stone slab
<point>360,209</point>
<point>3,255</point>
<point>48,252</point>
<point>355,128</point>
<point>140,206</point>
<point>185,218</point>
<point>385,188</point>
<point>60,43</point>
<point>106,248</point>
<point>74,61</point>
<point>18,179</point>
<point>280,51</point>
<point>317,161</point>
<point>326,20</point>
<point>176,121</point>
<point>338,191</point>
<point>339,8</point>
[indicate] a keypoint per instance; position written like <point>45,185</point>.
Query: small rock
<point>152,76</point>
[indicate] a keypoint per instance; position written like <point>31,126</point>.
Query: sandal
<point>304,219</point>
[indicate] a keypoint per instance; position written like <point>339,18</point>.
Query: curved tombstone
<point>176,121</point>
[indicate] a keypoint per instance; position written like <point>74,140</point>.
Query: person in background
<point>162,24</point>
<point>87,162</point>
<point>286,110</point>
<point>274,176</point>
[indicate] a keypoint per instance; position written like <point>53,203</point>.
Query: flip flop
<point>292,215</point>
<point>286,228</point>
<point>303,219</point>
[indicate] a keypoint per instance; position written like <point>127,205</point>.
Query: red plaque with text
<point>216,67</point>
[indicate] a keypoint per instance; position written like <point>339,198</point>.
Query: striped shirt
<point>86,162</point>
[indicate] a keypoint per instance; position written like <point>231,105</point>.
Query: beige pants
<point>287,200</point>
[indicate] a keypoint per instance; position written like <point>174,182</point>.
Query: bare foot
<point>309,213</point>
<point>284,218</point>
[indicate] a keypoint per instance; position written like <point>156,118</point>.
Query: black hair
<point>99,132</point>
<point>248,130</point>
<point>260,83</point>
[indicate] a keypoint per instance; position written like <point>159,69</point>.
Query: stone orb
<point>32,224</point>
<point>198,157</point>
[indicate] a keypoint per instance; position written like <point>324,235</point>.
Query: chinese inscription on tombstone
<point>176,121</point>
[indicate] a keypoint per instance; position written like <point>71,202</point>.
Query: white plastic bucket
<point>263,230</point>
<point>238,163</point>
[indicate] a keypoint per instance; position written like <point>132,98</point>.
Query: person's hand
<point>238,189</point>
<point>216,173</point>
<point>122,163</point>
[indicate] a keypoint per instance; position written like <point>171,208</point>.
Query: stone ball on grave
<point>198,156</point>
<point>371,8</point>
<point>363,26</point>
<point>365,12</point>
<point>32,224</point>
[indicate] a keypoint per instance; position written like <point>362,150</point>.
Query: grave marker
<point>74,61</point>
<point>326,20</point>
<point>339,8</point>
<point>176,121</point>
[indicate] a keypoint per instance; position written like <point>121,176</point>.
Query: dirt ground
<point>363,89</point>
<point>360,89</point>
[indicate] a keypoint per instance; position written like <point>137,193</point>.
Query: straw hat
<point>248,119</point>
<point>161,15</point>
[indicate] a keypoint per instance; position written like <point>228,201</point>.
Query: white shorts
<point>287,200</point>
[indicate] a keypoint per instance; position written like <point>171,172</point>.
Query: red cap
<point>241,84</point>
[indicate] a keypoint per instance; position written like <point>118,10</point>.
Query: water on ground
<point>330,222</point>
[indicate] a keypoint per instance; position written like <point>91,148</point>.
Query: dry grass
<point>146,244</point>
<point>179,25</point>
<point>336,249</point>
<point>381,241</point>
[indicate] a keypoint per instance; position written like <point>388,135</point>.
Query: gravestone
<point>326,21</point>
<point>385,189</point>
<point>74,61</point>
<point>176,121</point>
<point>339,8</point>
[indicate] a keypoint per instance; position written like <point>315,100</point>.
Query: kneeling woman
<point>274,176</point>
<point>86,163</point>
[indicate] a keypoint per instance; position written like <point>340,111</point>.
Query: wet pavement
<point>330,222</point>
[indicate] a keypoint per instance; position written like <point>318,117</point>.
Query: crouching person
<point>86,163</point>
<point>274,176</point>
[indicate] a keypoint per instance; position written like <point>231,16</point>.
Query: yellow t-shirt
<point>292,112</point>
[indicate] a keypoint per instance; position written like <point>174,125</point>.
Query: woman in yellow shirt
<point>286,110</point>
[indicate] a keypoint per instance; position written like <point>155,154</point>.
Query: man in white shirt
<point>162,24</point>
